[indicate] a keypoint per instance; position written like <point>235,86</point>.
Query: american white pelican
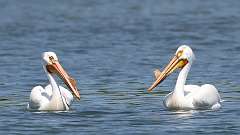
<point>53,97</point>
<point>185,97</point>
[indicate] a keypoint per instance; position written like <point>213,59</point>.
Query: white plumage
<point>185,97</point>
<point>53,97</point>
<point>40,99</point>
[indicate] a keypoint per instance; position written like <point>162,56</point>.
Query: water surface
<point>111,47</point>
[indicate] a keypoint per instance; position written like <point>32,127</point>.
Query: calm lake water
<point>112,47</point>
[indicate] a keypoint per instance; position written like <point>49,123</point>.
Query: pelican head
<point>49,56</point>
<point>182,57</point>
<point>53,66</point>
<point>187,53</point>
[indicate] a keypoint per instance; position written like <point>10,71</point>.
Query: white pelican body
<point>53,97</point>
<point>185,97</point>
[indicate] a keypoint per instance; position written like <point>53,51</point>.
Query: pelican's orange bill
<point>172,66</point>
<point>70,82</point>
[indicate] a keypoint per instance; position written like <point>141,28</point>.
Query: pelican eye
<point>52,59</point>
<point>179,54</point>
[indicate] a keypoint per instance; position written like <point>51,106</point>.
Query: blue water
<point>111,47</point>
